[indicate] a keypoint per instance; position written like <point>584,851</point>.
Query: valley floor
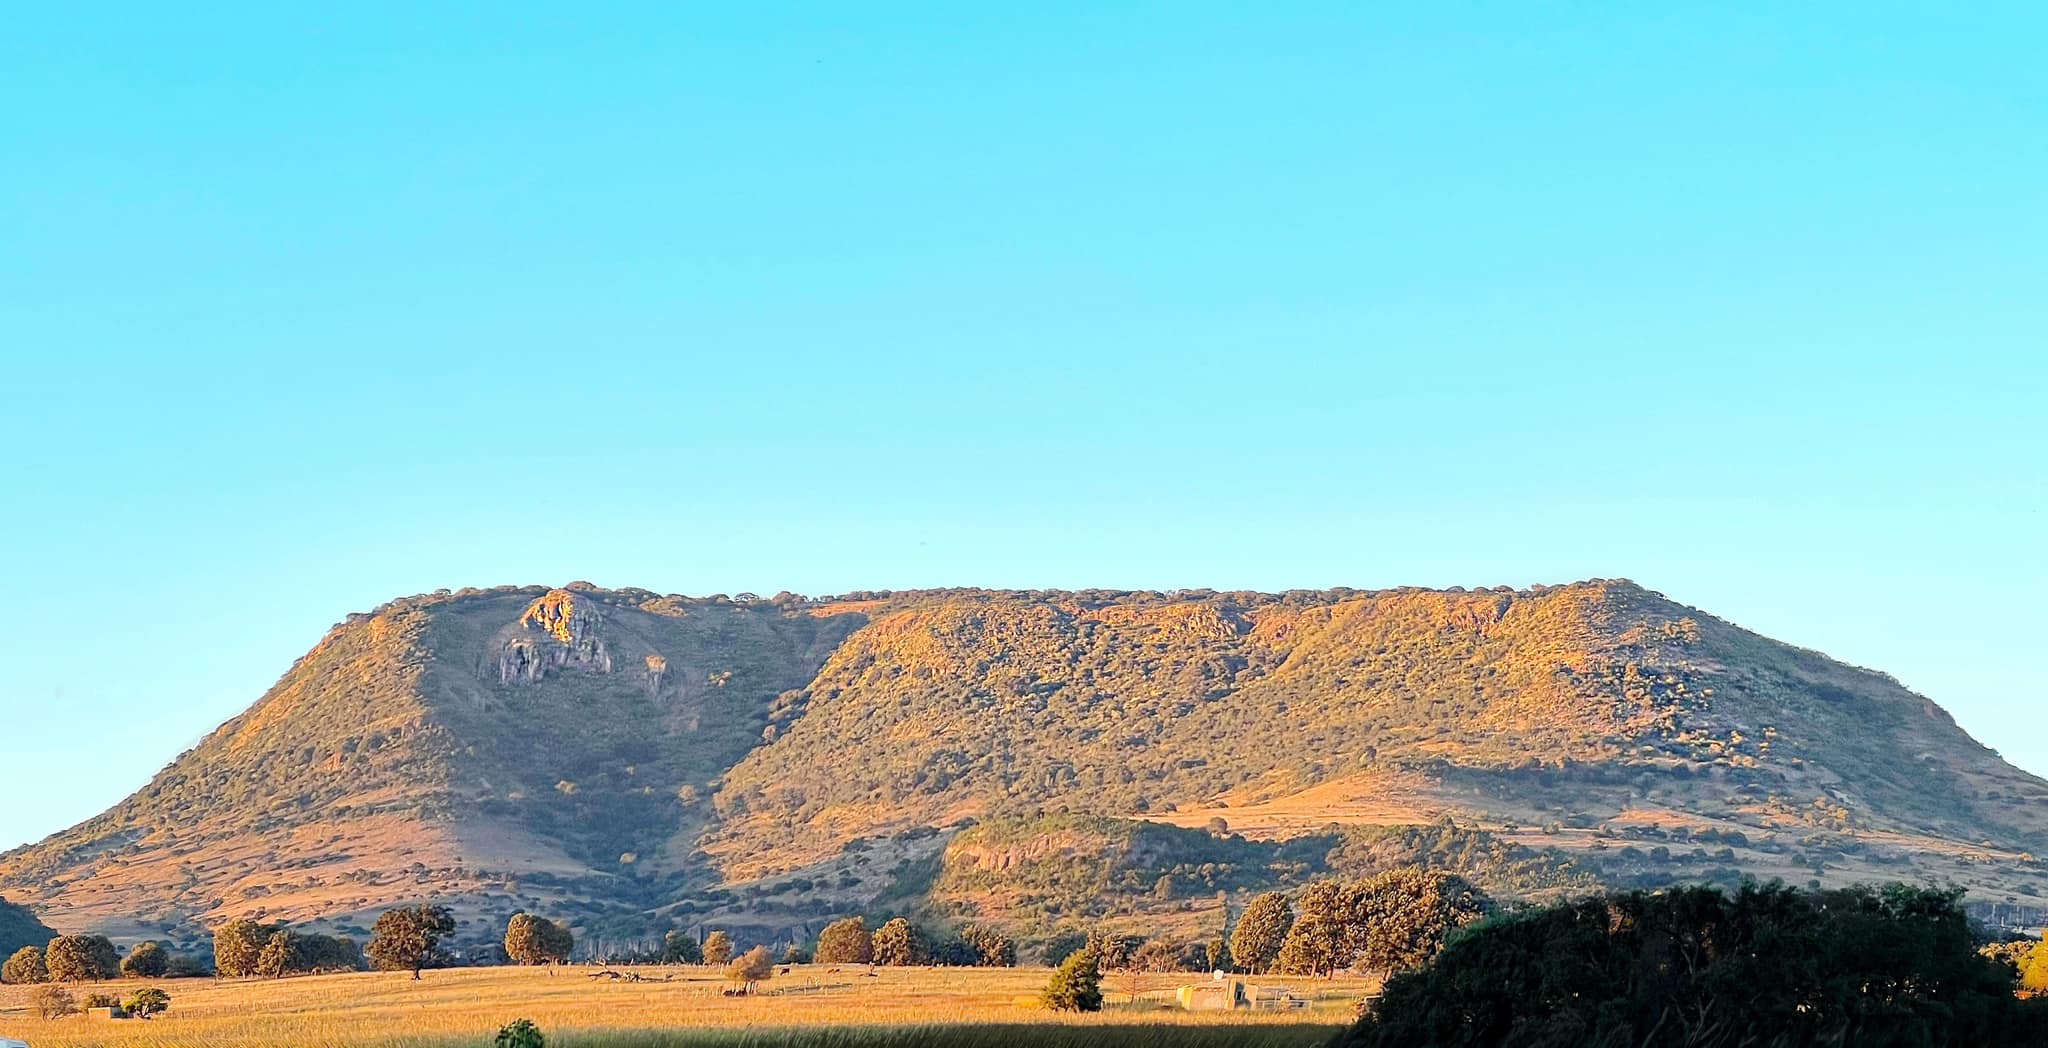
<point>467,1006</point>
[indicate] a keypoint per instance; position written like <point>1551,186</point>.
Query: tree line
<point>1765,965</point>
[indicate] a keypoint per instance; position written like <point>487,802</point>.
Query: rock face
<point>558,631</point>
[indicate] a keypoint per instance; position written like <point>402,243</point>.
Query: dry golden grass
<point>466,1006</point>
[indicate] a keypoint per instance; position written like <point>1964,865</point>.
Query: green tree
<point>537,940</point>
<point>26,966</point>
<point>328,953</point>
<point>188,966</point>
<point>1320,941</point>
<point>280,955</point>
<point>146,961</point>
<point>79,958</point>
<point>1261,930</point>
<point>409,938</point>
<point>679,947</point>
<point>1692,966</point>
<point>992,948</point>
<point>845,941</point>
<point>1399,919</point>
<point>1216,953</point>
<point>520,1033</point>
<point>897,942</point>
<point>1076,985</point>
<point>751,967</point>
<point>1157,955</point>
<point>146,1002</point>
<point>2034,977</point>
<point>237,945</point>
<point>718,948</point>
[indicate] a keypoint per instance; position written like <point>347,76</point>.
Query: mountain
<point>629,759</point>
<point>19,928</point>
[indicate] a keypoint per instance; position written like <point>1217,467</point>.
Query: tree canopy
<point>718,948</point>
<point>845,941</point>
<point>1767,965</point>
<point>536,940</point>
<point>409,938</point>
<point>897,942</point>
<point>1261,930</point>
<point>1076,985</point>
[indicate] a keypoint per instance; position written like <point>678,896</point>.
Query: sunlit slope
<point>981,704</point>
<point>623,758</point>
<point>514,744</point>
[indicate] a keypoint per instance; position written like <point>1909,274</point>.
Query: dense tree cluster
<point>1261,931</point>
<point>244,947</point>
<point>82,958</point>
<point>1389,922</point>
<point>1697,967</point>
<point>679,947</point>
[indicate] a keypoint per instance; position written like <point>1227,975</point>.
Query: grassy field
<point>810,1006</point>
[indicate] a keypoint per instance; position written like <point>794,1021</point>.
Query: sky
<point>302,310</point>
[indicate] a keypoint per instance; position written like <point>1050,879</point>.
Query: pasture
<point>811,1005</point>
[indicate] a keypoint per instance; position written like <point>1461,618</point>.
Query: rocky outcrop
<point>557,631</point>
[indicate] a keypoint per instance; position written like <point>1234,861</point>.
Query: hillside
<point>630,759</point>
<point>19,928</point>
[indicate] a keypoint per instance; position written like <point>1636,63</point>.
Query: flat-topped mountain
<point>630,759</point>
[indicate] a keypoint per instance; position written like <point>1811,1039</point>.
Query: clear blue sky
<point>301,311</point>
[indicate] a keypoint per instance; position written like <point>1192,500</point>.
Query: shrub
<point>146,1002</point>
<point>52,1002</point>
<point>1076,985</point>
<point>520,1033</point>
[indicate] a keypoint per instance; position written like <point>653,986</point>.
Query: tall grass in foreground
<point>986,1035</point>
